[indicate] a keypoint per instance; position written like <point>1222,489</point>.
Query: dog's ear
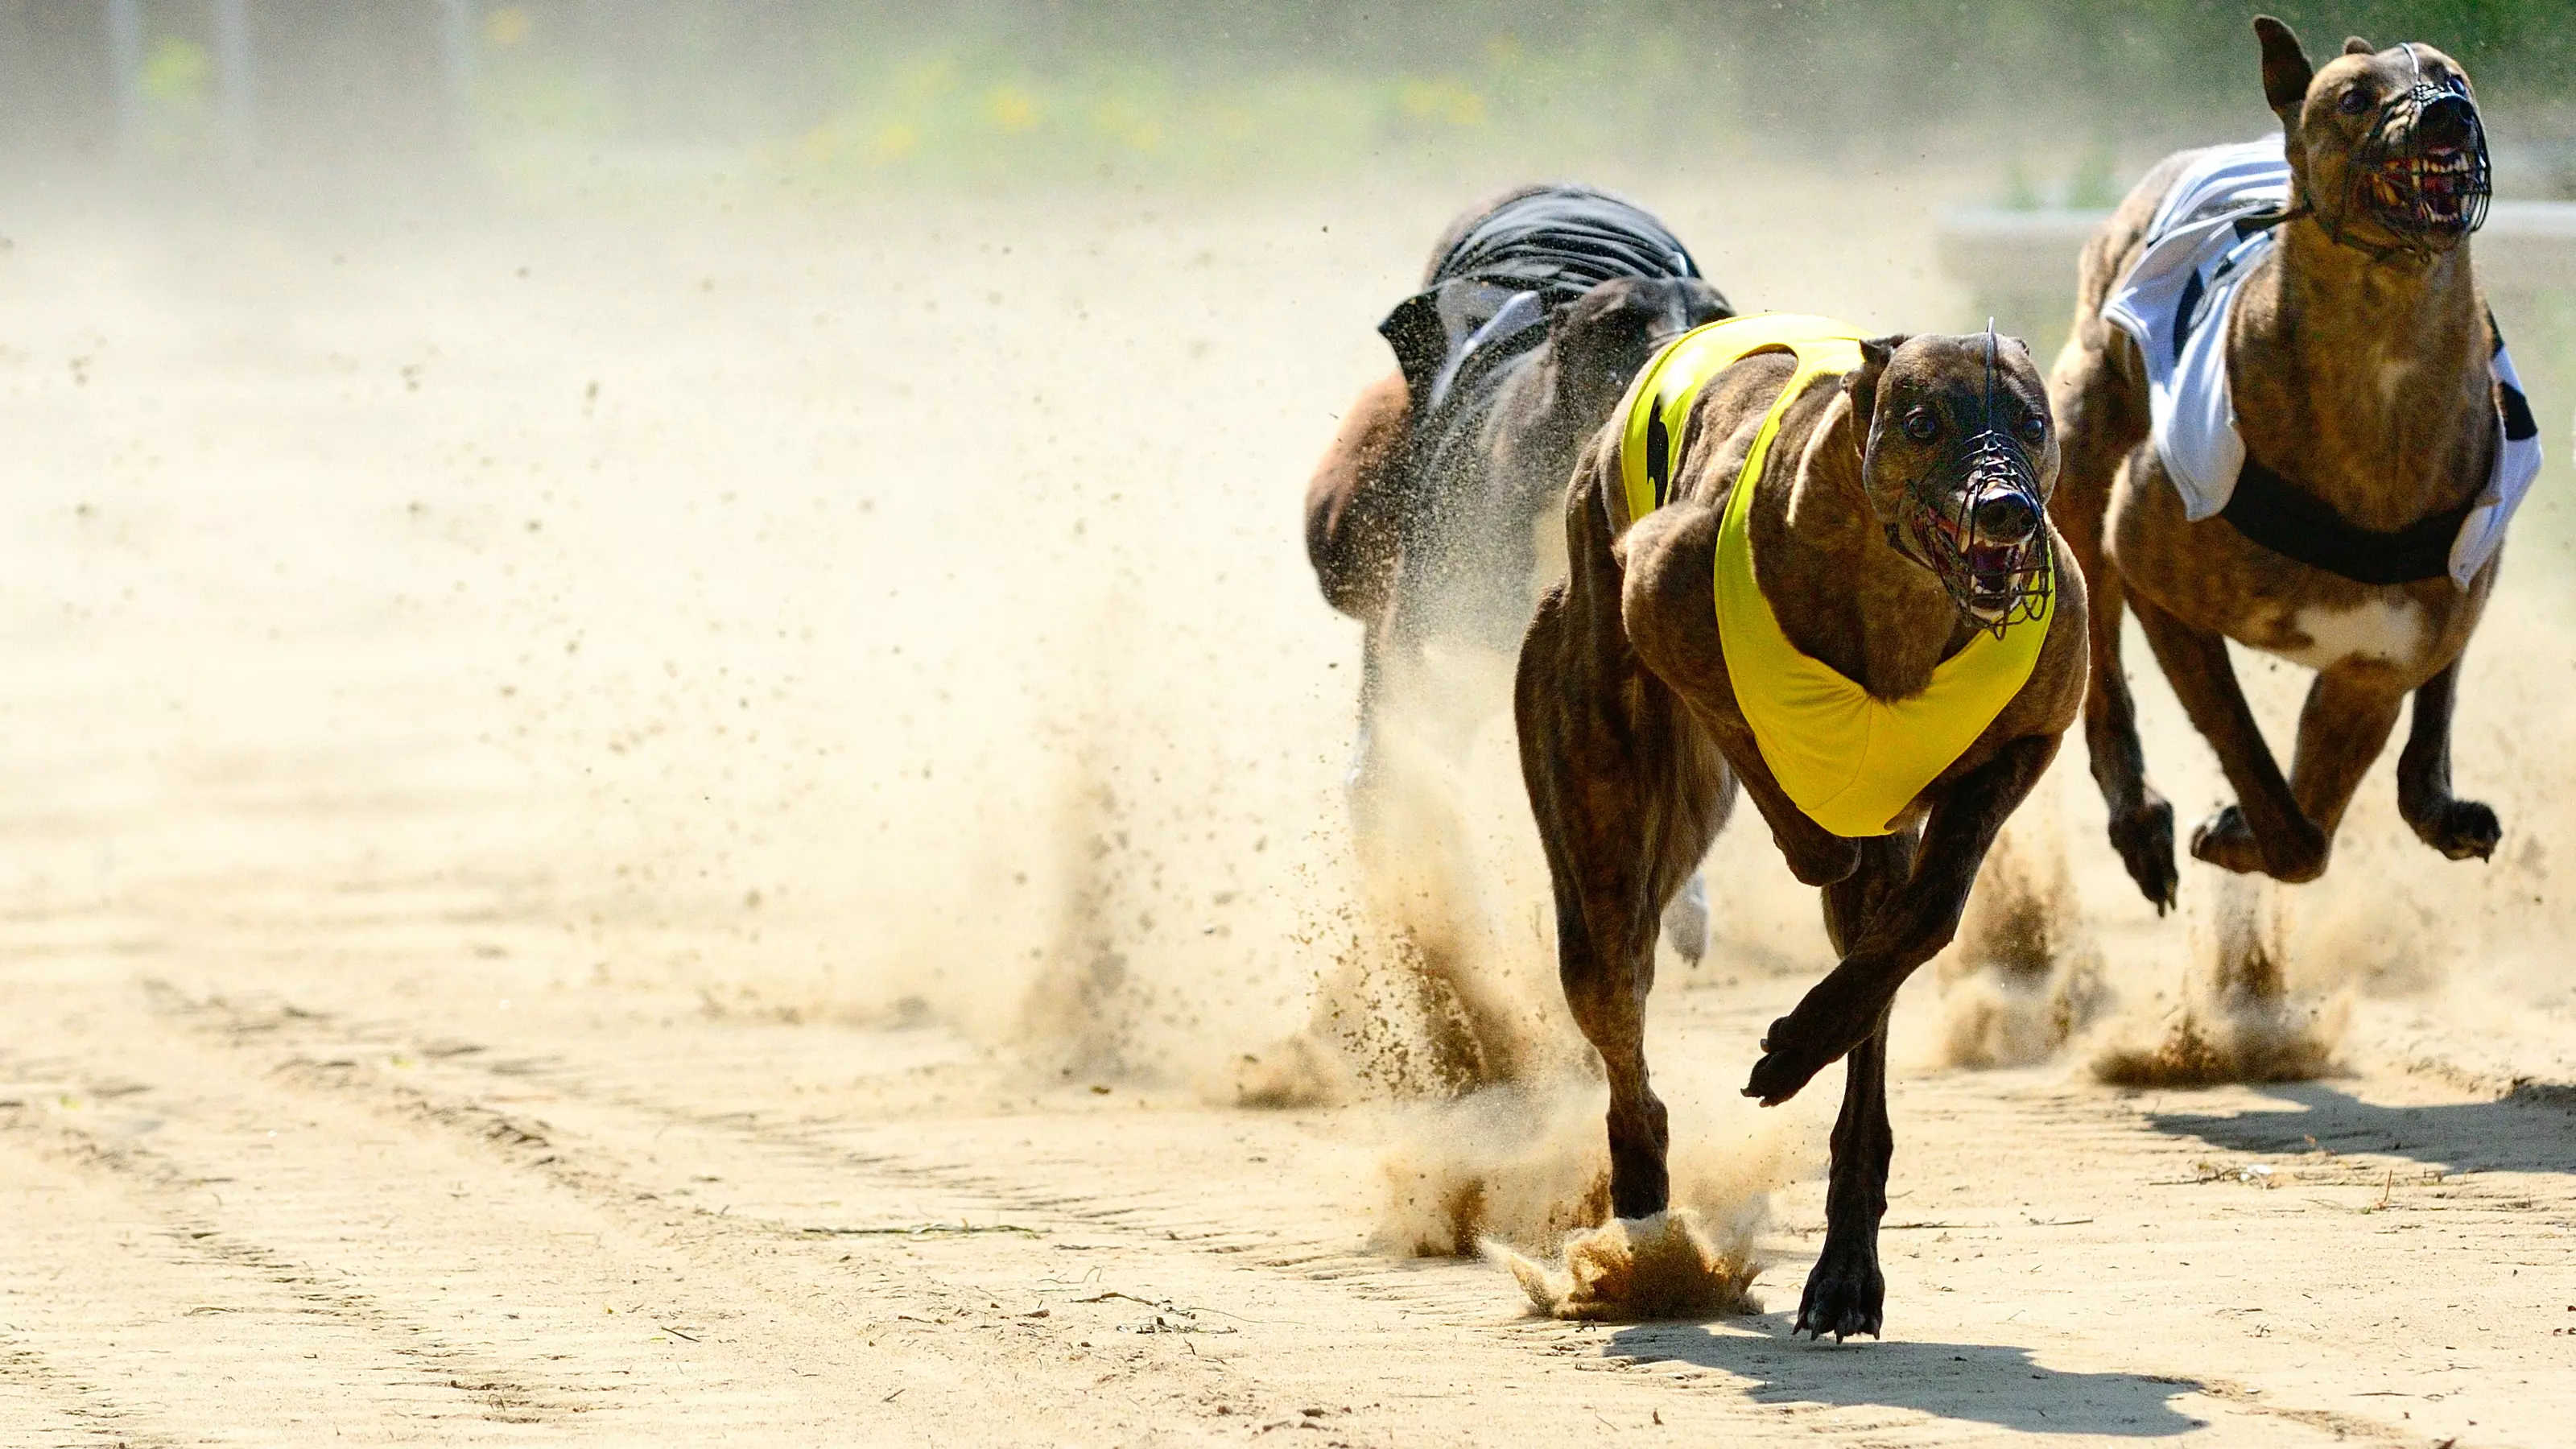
<point>2355,45</point>
<point>1861,383</point>
<point>2286,72</point>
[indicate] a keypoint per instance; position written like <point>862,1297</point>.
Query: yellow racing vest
<point>1851,761</point>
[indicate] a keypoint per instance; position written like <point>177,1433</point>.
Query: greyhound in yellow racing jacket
<point>1889,662</point>
<point>1850,760</point>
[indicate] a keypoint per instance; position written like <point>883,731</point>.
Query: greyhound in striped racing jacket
<point>1424,522</point>
<point>2288,419</point>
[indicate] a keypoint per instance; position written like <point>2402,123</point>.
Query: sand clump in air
<point>2239,1020</point>
<point>1521,1177</point>
<point>1640,1269</point>
<point>1428,986</point>
<point>1389,1018</point>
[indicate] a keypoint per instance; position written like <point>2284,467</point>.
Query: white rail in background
<point>2525,247</point>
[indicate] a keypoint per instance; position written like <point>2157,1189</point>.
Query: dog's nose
<point>2008,519</point>
<point>2445,123</point>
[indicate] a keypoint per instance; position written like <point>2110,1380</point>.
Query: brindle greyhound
<point>1880,550</point>
<point>1422,522</point>
<point>2357,353</point>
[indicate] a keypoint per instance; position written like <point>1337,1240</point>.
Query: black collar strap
<point>2296,524</point>
<point>2299,526</point>
<point>2265,220</point>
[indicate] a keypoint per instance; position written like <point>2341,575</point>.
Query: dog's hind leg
<point>2342,728</point>
<point>1352,541</point>
<point>1376,785</point>
<point>2265,832</point>
<point>1627,792</point>
<point>1367,770</point>
<point>1418,874</point>
<point>2460,829</point>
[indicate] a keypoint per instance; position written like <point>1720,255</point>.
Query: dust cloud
<point>2237,1022</point>
<point>2024,974</point>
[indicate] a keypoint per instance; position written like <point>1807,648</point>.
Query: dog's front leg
<point>2265,832</point>
<point>2141,819</point>
<point>1845,1293</point>
<point>2460,829</point>
<point>2098,391</point>
<point>1915,921</point>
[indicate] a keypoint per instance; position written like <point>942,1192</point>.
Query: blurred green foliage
<point>999,89</point>
<point>178,88</point>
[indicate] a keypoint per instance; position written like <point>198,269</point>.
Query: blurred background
<point>2059,98</point>
<point>789,509</point>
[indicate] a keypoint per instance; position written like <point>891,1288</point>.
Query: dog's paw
<point>1686,921</point>
<point>2145,839</point>
<point>2225,840</point>
<point>1797,1047</point>
<point>1845,1295</point>
<point>2462,830</point>
<point>1779,1076</point>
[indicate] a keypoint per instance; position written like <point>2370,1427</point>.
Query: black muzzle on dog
<point>2422,172</point>
<point>1987,539</point>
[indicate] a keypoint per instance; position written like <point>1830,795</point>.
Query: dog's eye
<point>2354,102</point>
<point>2034,429</point>
<point>1920,425</point>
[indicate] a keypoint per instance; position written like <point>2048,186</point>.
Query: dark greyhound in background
<point>1424,519</point>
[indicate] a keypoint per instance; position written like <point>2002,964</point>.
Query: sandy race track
<point>643,829</point>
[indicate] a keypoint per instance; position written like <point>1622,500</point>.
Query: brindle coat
<point>2365,381</point>
<point>1633,745</point>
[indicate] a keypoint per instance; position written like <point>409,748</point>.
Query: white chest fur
<point>2392,631</point>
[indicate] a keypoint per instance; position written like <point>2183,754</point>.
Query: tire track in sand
<point>519,1303</point>
<point>184,1257</point>
<point>596,1144</point>
<point>902,1323</point>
